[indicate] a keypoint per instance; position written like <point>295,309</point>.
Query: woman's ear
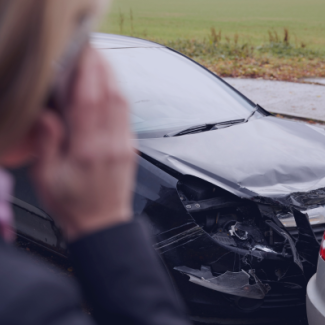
<point>22,152</point>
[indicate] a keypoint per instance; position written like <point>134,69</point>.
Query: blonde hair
<point>33,33</point>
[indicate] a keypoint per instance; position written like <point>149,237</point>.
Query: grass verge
<point>269,68</point>
<point>278,59</point>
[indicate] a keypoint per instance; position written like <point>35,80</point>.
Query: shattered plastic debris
<point>233,232</point>
<point>264,249</point>
<point>234,283</point>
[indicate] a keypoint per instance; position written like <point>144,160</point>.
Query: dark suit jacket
<point>118,271</point>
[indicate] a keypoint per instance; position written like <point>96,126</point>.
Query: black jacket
<point>118,271</point>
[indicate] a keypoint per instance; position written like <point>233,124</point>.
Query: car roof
<point>111,41</point>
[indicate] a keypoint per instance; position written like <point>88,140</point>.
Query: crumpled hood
<point>267,157</point>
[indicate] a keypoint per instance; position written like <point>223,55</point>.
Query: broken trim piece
<point>307,244</point>
<point>179,239</point>
<point>287,238</point>
<point>233,283</point>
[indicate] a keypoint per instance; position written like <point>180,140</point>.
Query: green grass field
<point>237,38</point>
<point>192,19</point>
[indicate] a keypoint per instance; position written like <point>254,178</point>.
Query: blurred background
<point>269,39</point>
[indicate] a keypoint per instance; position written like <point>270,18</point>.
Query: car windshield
<point>168,92</point>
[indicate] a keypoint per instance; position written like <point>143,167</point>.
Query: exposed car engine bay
<point>260,250</point>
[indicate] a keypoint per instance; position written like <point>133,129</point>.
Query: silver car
<point>316,291</point>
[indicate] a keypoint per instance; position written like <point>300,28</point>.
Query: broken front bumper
<point>241,252</point>
<point>258,267</point>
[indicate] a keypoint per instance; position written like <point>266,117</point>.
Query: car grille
<point>285,300</point>
<point>318,231</point>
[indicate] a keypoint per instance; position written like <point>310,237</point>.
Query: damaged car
<point>234,197</point>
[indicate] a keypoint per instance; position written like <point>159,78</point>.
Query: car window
<point>167,91</point>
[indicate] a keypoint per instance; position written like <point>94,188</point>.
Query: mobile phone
<point>66,68</point>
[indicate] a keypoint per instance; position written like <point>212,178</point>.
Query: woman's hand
<point>88,185</point>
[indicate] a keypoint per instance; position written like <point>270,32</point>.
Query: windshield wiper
<point>252,114</point>
<point>226,124</point>
<point>203,128</point>
<point>258,109</point>
<point>192,129</point>
<point>211,126</point>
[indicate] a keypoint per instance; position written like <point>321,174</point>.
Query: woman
<point>83,167</point>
